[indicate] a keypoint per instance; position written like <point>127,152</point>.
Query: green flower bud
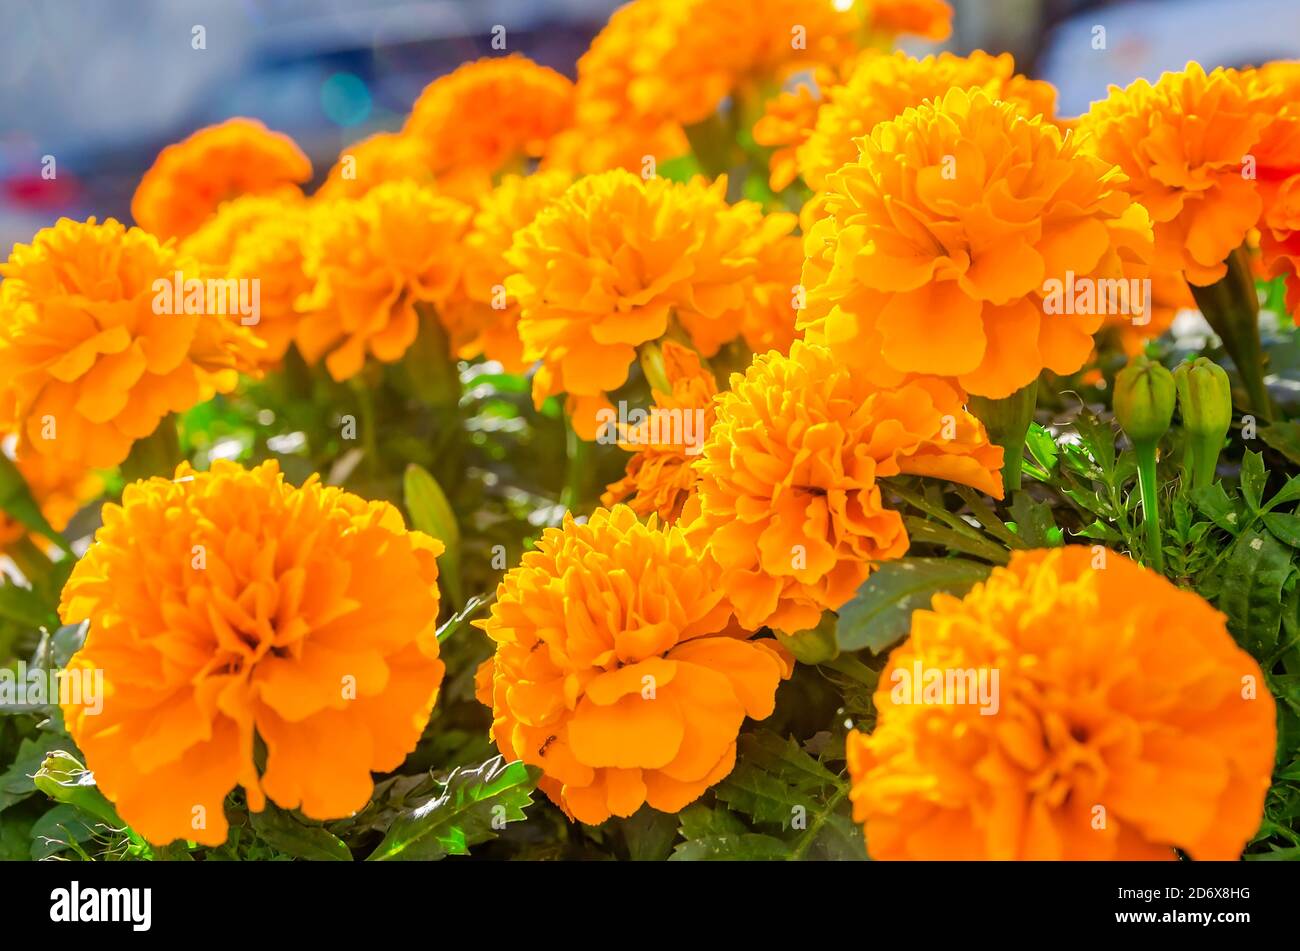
<point>1144,400</point>
<point>1205,400</point>
<point>1204,397</point>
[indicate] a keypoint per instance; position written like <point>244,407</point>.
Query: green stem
<point>366,409</point>
<point>1231,306</point>
<point>1007,421</point>
<point>1203,458</point>
<point>578,452</point>
<point>1146,459</point>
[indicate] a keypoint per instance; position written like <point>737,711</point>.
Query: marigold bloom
<point>789,504</point>
<point>884,85</point>
<point>60,491</point>
<point>604,268</point>
<point>482,319</point>
<point>611,672</point>
<point>1181,145</point>
<point>383,157</point>
<point>259,238</point>
<point>939,242</point>
<point>1118,697</point>
<point>371,261</point>
<point>659,476</point>
<point>88,362</point>
<point>486,115</point>
<point>229,605</point>
<point>189,180</point>
<point>787,122</point>
<point>928,19</point>
<point>1278,176</point>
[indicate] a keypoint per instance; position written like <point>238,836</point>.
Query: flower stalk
<point>1144,406</point>
<point>1231,306</point>
<point>1007,421</point>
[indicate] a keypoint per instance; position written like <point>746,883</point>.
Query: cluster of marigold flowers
<point>921,204</point>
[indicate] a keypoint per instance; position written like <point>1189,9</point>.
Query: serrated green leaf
<point>880,614</point>
<point>1250,592</point>
<point>432,514</point>
<point>473,805</point>
<point>284,832</point>
<point>58,829</point>
<point>1284,437</point>
<point>746,847</point>
<point>17,782</point>
<point>649,835</point>
<point>1213,502</point>
<point>1253,478</point>
<point>1288,493</point>
<point>699,821</point>
<point>1034,522</point>
<point>1041,446</point>
<point>1286,528</point>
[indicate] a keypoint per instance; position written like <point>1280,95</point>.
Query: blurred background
<point>102,85</point>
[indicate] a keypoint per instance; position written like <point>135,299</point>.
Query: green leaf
<point>1284,437</point>
<point>17,782</point>
<point>1034,522</point>
<point>457,621</point>
<point>473,805</point>
<point>283,831</point>
<point>1250,592</point>
<point>880,614</point>
<point>25,606</point>
<point>1041,446</point>
<point>16,500</point>
<point>58,830</point>
<point>431,513</point>
<point>745,847</point>
<point>649,835</point>
<point>1286,528</point>
<point>699,821</point>
<point>1213,502</point>
<point>1253,478</point>
<point>1288,493</point>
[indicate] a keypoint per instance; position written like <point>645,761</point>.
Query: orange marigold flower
<point>884,85</point>
<point>1278,176</point>
<point>787,122</point>
<point>659,476</point>
<point>92,354</point>
<point>1181,144</point>
<point>383,157</point>
<point>189,180</point>
<point>1146,708</point>
<point>612,672</point>
<point>945,245</point>
<point>604,268</point>
<point>482,319</point>
<point>486,115</point>
<point>789,503</point>
<point>228,606</point>
<point>257,239</point>
<point>60,491</point>
<point>371,261</point>
<point>928,19</point>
